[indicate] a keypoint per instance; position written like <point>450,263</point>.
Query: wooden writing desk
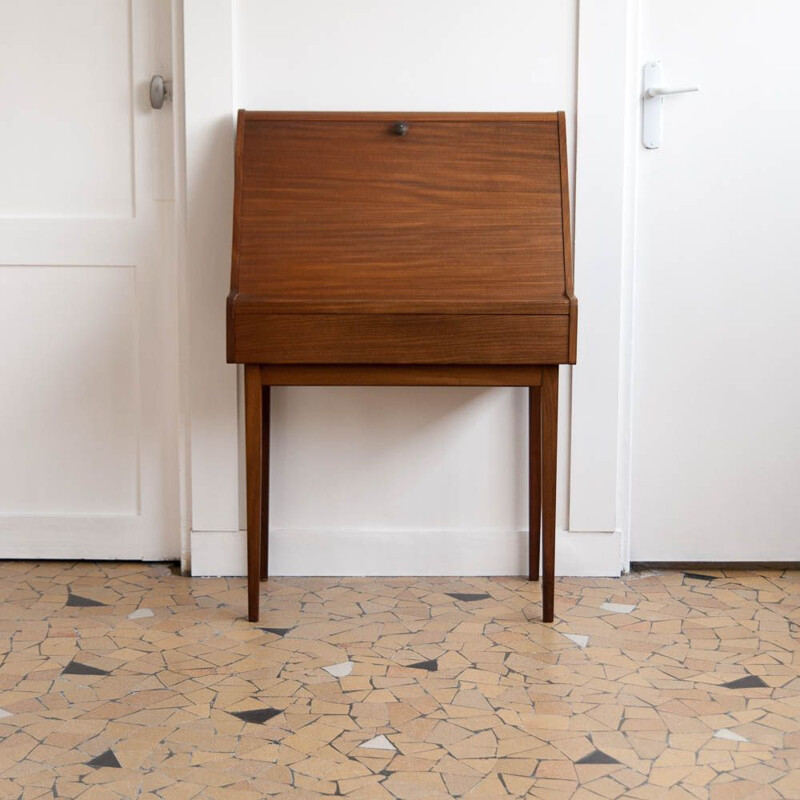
<point>402,249</point>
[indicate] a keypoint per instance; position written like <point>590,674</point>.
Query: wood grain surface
<point>465,214</point>
<point>399,375</point>
<point>549,395</point>
<point>348,210</point>
<point>254,442</point>
<point>401,339</point>
<point>534,481</point>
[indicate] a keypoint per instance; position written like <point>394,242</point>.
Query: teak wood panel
<point>429,305</point>
<point>400,339</point>
<point>339,208</point>
<point>361,257</point>
<point>399,375</point>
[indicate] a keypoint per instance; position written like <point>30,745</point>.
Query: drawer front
<point>400,338</point>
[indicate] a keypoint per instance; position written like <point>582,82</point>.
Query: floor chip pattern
<point>122,680</point>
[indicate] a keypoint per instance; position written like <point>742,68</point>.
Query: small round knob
<point>400,128</point>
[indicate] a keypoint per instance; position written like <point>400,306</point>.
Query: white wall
<point>372,480</point>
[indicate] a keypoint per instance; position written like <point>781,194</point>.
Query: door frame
<point>607,52</point>
<point>608,132</point>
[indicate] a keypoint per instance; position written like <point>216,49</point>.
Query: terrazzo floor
<point>123,680</point>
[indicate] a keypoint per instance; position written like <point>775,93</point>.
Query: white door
<point>716,381</point>
<point>88,433</point>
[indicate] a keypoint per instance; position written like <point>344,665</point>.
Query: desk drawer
<point>268,338</point>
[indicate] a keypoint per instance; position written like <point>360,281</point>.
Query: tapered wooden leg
<point>534,481</point>
<point>265,402</point>
<point>253,401</point>
<point>549,461</point>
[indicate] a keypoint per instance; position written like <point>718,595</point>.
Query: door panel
<point>69,393</point>
<point>88,392</point>
<point>65,72</point>
<point>716,444</point>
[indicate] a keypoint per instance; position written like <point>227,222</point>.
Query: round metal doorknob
<point>400,128</point>
<point>160,90</point>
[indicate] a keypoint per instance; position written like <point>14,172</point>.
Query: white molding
<point>455,552</point>
<point>630,206</point>
<point>208,60</point>
<point>74,536</point>
<point>211,63</point>
<point>218,553</point>
<point>601,238</point>
<point>182,279</point>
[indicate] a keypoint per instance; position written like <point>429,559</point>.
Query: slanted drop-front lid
<point>382,210</point>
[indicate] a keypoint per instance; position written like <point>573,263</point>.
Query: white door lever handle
<point>660,91</point>
<point>653,94</point>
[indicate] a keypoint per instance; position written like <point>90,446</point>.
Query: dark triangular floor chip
<point>431,666</point>
<point>107,759</point>
<point>748,682</point>
<point>74,668</point>
<point>467,597</point>
<point>277,631</point>
<point>598,757</point>
<point>82,602</point>
<point>258,716</point>
<point>696,576</point>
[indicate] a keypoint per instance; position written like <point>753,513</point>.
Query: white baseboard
<point>341,552</point>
